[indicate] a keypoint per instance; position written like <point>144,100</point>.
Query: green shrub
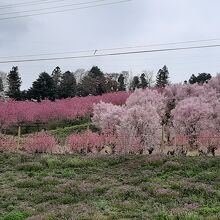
<point>16,216</point>
<point>76,162</point>
<point>208,210</point>
<point>50,161</point>
<point>178,216</point>
<point>30,167</point>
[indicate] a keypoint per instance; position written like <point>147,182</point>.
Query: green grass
<point>62,133</point>
<point>60,126</point>
<point>122,187</point>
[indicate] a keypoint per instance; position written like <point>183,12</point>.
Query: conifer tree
<point>162,77</point>
<point>68,85</point>
<point>143,83</point>
<point>121,82</point>
<point>14,84</point>
<point>1,85</point>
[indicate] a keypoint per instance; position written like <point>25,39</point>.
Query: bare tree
<point>3,77</point>
<point>79,74</point>
<point>149,75</point>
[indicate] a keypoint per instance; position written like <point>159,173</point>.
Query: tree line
<point>94,82</point>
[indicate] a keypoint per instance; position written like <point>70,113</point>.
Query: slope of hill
<point>125,187</point>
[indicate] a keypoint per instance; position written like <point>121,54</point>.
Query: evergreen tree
<point>162,77</point>
<point>98,75</point>
<point>25,95</point>
<point>1,85</point>
<point>193,79</point>
<point>200,79</point>
<point>135,84</point>
<point>203,78</point>
<point>68,85</point>
<point>57,76</point>
<point>121,81</point>
<point>111,85</point>
<point>86,87</point>
<point>144,83</point>
<point>14,84</point>
<point>95,72</point>
<point>43,88</point>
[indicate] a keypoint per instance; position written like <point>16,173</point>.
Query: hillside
<point>122,187</point>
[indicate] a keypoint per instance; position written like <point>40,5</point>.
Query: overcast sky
<point>133,23</point>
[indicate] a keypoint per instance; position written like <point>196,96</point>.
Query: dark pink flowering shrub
<point>85,142</point>
<point>89,142</point>
<point>8,143</point>
<point>40,143</point>
<point>17,112</point>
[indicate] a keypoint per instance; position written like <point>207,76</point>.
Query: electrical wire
<point>112,54</point>
<point>111,49</point>
<point>53,7</point>
<point>65,10</point>
<point>31,3</point>
<point>23,4</point>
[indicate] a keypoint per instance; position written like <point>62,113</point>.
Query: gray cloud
<point>138,22</point>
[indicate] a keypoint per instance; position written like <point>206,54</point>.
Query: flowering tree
<point>17,112</point>
<point>137,124</point>
<point>139,129</point>
<point>192,116</point>
<point>215,84</point>
<point>106,116</point>
<point>216,117</point>
<point>147,97</point>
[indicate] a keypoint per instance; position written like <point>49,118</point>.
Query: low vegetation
<point>47,187</point>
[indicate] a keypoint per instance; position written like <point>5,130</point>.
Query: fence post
<point>19,136</point>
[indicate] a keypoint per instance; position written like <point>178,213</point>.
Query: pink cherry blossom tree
<point>139,129</point>
<point>215,83</point>
<point>137,124</point>
<point>106,116</point>
<point>191,117</point>
<point>147,97</point>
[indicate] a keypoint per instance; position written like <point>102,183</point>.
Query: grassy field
<point>127,187</point>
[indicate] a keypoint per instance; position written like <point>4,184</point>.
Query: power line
<point>22,4</point>
<point>111,54</point>
<point>165,44</point>
<point>112,49</point>
<point>53,7</point>
<point>65,10</point>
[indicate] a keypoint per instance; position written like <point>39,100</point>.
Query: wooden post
<point>19,136</point>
